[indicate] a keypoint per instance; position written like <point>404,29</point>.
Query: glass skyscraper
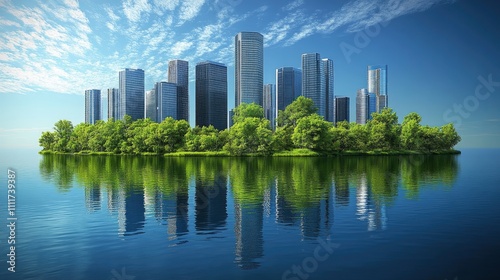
<point>288,87</point>
<point>92,105</point>
<point>166,100</point>
<point>249,67</point>
<point>366,104</point>
<point>269,105</point>
<point>327,65</point>
<point>211,94</point>
<point>342,111</point>
<point>131,94</point>
<point>313,81</point>
<point>151,107</point>
<point>178,73</point>
<point>113,97</point>
<point>377,84</point>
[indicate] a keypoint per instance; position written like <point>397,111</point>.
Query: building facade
<point>131,94</point>
<point>342,112</point>
<point>178,73</point>
<point>288,87</point>
<point>366,104</point>
<point>113,105</point>
<point>211,94</point>
<point>166,100</point>
<point>151,106</point>
<point>327,65</point>
<point>249,68</point>
<point>92,105</point>
<point>377,84</point>
<point>269,104</point>
<point>313,81</point>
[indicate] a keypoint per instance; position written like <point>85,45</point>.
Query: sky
<point>443,55</point>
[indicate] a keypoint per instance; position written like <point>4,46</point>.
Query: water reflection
<point>299,193</point>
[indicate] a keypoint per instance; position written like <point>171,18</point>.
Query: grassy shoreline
<point>292,153</point>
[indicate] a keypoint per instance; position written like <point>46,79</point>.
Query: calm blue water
<point>98,217</point>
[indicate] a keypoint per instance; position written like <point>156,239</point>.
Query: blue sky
<point>443,55</point>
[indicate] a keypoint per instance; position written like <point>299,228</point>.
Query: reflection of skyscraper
<point>311,221</point>
<point>93,198</point>
<point>342,191</point>
<point>368,208</point>
<point>134,212</point>
<point>248,231</point>
<point>211,205</point>
<point>362,198</point>
<point>175,207</point>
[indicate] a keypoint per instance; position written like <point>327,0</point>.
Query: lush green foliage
<point>299,127</point>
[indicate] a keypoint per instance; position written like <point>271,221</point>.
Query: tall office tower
<point>230,118</point>
<point>377,84</point>
<point>366,104</point>
<point>211,94</point>
<point>178,73</point>
<point>329,94</point>
<point>249,67</point>
<point>131,94</point>
<point>288,87</point>
<point>113,105</point>
<point>313,81</point>
<point>342,111</point>
<point>166,101</point>
<point>92,105</point>
<point>150,106</point>
<point>269,104</point>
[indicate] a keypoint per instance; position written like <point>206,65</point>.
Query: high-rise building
<point>131,94</point>
<point>249,67</point>
<point>113,105</point>
<point>166,100</point>
<point>329,93</point>
<point>211,94</point>
<point>269,104</point>
<point>366,104</point>
<point>288,87</point>
<point>178,73</point>
<point>377,84</point>
<point>92,105</point>
<point>151,106</point>
<point>313,81</point>
<point>342,111</point>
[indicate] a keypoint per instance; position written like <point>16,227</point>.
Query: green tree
<point>47,141</point>
<point>246,110</point>
<point>173,133</point>
<point>63,130</point>
<point>250,135</point>
<point>359,137</point>
<point>450,136</point>
<point>80,137</point>
<point>384,130</point>
<point>314,133</point>
<point>411,132</point>
<point>300,108</point>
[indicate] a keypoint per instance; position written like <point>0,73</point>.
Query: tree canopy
<point>299,127</point>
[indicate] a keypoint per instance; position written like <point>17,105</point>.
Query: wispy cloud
<point>133,9</point>
<point>189,10</point>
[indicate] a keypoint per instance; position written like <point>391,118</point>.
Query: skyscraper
<point>249,67</point>
<point>288,86</point>
<point>131,94</point>
<point>366,104</point>
<point>269,104</point>
<point>178,73</point>
<point>313,81</point>
<point>377,84</point>
<point>113,106</point>
<point>166,100</point>
<point>211,94</point>
<point>327,65</point>
<point>151,106</point>
<point>92,105</point>
<point>341,109</point>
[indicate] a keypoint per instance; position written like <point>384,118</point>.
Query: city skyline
<point>48,61</point>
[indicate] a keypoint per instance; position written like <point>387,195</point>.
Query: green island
<point>300,131</point>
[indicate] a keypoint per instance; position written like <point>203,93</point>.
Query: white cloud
<point>133,9</point>
<point>190,9</point>
<point>180,47</point>
<point>293,5</point>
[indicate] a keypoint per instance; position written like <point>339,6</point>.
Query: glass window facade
<point>178,73</point>
<point>211,94</point>
<point>249,68</point>
<point>92,105</point>
<point>131,94</point>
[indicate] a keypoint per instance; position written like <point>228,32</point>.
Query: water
<point>111,217</point>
